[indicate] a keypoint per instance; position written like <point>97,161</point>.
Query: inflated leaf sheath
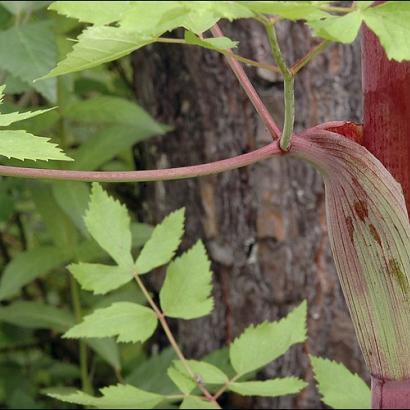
<point>369,233</point>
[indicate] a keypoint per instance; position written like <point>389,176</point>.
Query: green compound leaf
<point>34,53</point>
<point>36,315</point>
<point>291,10</point>
<point>97,45</point>
<point>184,383</point>
<point>389,21</point>
<point>194,402</point>
<point>339,388</point>
<point>219,43</point>
<point>163,243</point>
<point>269,388</point>
<point>114,238</point>
<point>23,145</point>
<point>86,12</point>
<point>121,396</point>
<point>139,25</point>
<point>207,373</point>
<point>100,279</point>
<point>187,287</point>
<point>128,321</point>
<point>259,345</point>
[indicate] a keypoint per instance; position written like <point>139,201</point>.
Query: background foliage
<point>55,236</point>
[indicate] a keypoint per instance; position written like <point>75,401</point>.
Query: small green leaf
<point>121,396</point>
<point>259,345</point>
<point>97,45</point>
<point>343,29</point>
<point>269,388</point>
<point>128,321</point>
<point>205,372</point>
<point>194,402</point>
<point>85,11</point>
<point>108,350</point>
<point>187,287</point>
<point>114,238</point>
<point>164,241</point>
<point>23,145</point>
<point>100,279</point>
<point>218,43</point>
<point>339,388</point>
<point>184,383</point>
<point>36,315</point>
<point>29,265</point>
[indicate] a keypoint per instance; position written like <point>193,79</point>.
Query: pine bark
<point>264,226</point>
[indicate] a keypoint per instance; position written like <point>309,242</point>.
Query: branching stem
<point>249,89</point>
<point>289,88</point>
<point>161,317</point>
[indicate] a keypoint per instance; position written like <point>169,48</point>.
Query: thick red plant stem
<point>386,134</point>
<point>250,90</point>
<point>386,122</point>
<point>149,175</point>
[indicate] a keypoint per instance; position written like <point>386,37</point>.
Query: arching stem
<point>150,175</point>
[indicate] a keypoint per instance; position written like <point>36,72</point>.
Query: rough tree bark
<point>264,226</point>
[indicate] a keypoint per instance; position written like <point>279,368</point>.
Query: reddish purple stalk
<point>386,134</point>
<point>250,90</point>
<point>150,175</point>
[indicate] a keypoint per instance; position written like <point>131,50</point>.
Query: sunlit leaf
<point>114,238</point>
<point>99,278</point>
<point>163,243</point>
<point>339,388</point>
<point>128,321</point>
<point>259,345</point>
<point>186,291</point>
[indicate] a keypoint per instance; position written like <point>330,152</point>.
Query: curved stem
<point>171,339</point>
<point>289,88</point>
<point>150,175</point>
<point>249,89</point>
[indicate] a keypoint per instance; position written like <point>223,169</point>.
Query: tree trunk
<point>264,226</point>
